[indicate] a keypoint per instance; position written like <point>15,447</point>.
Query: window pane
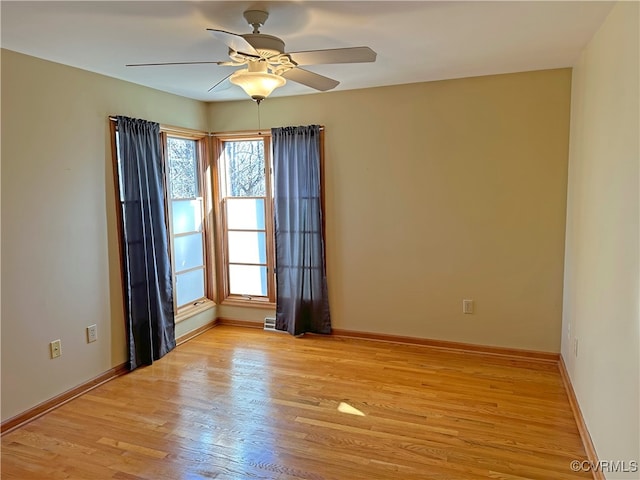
<point>187,216</point>
<point>247,247</point>
<point>189,287</point>
<point>187,251</point>
<point>245,213</point>
<point>183,168</point>
<point>248,280</point>
<point>245,168</point>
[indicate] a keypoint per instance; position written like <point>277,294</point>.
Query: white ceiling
<point>416,41</point>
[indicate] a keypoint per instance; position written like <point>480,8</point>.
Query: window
<point>244,202</point>
<point>186,208</point>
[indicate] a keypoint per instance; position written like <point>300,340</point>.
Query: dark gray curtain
<point>302,300</point>
<point>146,266</point>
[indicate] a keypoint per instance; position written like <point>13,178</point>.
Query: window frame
<point>208,234</point>
<point>222,248</point>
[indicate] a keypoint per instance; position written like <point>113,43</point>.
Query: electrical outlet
<point>575,347</point>
<point>467,306</point>
<point>92,333</point>
<point>56,348</point>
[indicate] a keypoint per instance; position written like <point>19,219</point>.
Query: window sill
<point>253,303</point>
<point>191,310</point>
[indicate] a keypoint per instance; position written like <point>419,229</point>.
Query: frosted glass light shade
<point>256,81</point>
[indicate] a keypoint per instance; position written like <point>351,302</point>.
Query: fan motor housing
<point>266,45</point>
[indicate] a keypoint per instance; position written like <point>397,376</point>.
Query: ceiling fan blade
<point>172,63</point>
<point>222,84</point>
<point>310,79</point>
<point>235,42</point>
<point>335,55</point>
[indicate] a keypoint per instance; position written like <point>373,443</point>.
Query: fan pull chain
<point>258,103</point>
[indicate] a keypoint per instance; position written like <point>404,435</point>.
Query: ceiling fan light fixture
<point>256,81</point>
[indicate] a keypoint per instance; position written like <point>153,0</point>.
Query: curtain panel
<point>302,303</point>
<point>146,265</point>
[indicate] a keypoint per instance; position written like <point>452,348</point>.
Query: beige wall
<point>601,288</point>
<point>438,192</point>
<point>60,266</point>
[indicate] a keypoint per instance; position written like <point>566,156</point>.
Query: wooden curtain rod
<point>245,133</point>
<point>170,128</point>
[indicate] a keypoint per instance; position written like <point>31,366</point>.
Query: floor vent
<point>270,323</point>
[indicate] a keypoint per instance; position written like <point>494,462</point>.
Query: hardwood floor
<point>238,403</point>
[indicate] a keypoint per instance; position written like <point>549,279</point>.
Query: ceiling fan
<point>268,65</point>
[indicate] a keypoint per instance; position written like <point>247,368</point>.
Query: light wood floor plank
<point>237,403</point>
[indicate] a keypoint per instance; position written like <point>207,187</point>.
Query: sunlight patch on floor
<point>346,408</point>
